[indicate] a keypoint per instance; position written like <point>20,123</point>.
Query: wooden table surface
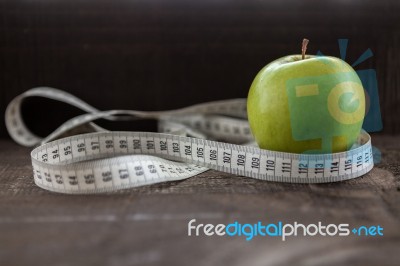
<point>148,225</point>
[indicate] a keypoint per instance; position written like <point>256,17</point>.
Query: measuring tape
<point>107,161</point>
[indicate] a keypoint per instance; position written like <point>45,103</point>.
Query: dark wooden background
<point>155,55</point>
<point>147,226</point>
<point>163,54</point>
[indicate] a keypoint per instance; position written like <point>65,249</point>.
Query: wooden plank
<point>158,55</point>
<point>148,225</point>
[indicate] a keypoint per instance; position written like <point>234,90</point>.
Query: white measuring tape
<point>107,161</point>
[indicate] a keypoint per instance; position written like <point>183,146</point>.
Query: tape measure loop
<point>107,161</point>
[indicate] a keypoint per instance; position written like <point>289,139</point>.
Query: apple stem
<point>304,48</point>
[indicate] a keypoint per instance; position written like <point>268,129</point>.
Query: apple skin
<point>326,124</point>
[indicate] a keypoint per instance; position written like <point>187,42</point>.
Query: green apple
<point>306,104</point>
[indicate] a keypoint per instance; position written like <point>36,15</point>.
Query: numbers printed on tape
<point>107,161</point>
<point>130,166</point>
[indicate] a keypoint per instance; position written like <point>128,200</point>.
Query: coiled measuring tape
<point>106,161</point>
